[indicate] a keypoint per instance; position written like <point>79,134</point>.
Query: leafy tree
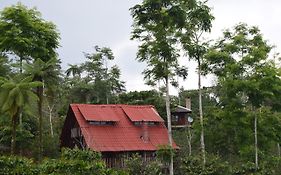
<point>47,73</point>
<point>116,86</point>
<point>4,66</point>
<point>151,97</point>
<point>106,79</point>
<point>23,33</point>
<point>199,20</point>
<point>246,78</point>
<point>188,139</point>
<point>155,26</point>
<point>16,95</point>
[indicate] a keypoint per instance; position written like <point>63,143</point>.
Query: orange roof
<point>123,135</point>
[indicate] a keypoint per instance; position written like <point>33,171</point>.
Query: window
<point>101,123</point>
<point>137,123</point>
<point>152,123</point>
<point>148,123</point>
<point>175,118</point>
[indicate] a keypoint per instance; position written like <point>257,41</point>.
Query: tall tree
<point>24,34</point>
<point>47,73</point>
<point>16,95</point>
<point>105,78</point>
<point>199,21</point>
<point>246,77</point>
<point>155,26</point>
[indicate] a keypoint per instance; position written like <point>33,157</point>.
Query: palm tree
<point>47,73</point>
<point>16,95</point>
<point>74,70</point>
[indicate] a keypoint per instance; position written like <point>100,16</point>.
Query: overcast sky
<point>85,23</point>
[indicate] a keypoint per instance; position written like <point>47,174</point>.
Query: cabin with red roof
<point>117,131</point>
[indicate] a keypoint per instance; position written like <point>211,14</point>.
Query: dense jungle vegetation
<point>237,122</point>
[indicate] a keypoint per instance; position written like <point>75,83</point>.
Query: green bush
<point>78,154</point>
<point>164,153</point>
<point>14,165</point>
<point>136,166</point>
<point>75,161</point>
<point>270,166</point>
<point>75,167</point>
<point>192,165</point>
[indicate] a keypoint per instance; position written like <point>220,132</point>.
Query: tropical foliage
<point>240,131</point>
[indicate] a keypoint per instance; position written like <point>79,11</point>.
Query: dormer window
<point>152,123</point>
<point>101,123</point>
<point>138,123</point>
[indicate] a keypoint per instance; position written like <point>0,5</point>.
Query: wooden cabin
<point>117,131</point>
<point>180,115</point>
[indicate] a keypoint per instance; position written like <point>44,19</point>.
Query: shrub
<point>17,165</point>
<point>75,161</point>
<point>136,166</point>
<point>192,165</point>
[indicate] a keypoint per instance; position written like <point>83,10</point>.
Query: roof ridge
<point>109,105</point>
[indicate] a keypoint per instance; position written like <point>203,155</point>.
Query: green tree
<point>16,95</point>
<point>74,70</point>
<point>115,85</point>
<point>246,78</point>
<point>47,73</point>
<point>25,34</point>
<point>4,66</point>
<point>151,97</point>
<point>155,25</point>
<point>105,79</point>
<point>199,21</point>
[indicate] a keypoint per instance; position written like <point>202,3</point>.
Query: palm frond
<point>27,79</point>
<point>32,97</point>
<point>8,85</point>
<point>19,99</point>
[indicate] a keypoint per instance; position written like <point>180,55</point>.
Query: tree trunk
<point>278,150</point>
<point>40,113</point>
<point>189,141</point>
<point>14,127</point>
<point>171,166</point>
<point>20,127</point>
<point>50,119</point>
<point>20,112</point>
<point>256,140</point>
<point>202,142</point>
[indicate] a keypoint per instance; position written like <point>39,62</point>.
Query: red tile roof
<point>123,135</point>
